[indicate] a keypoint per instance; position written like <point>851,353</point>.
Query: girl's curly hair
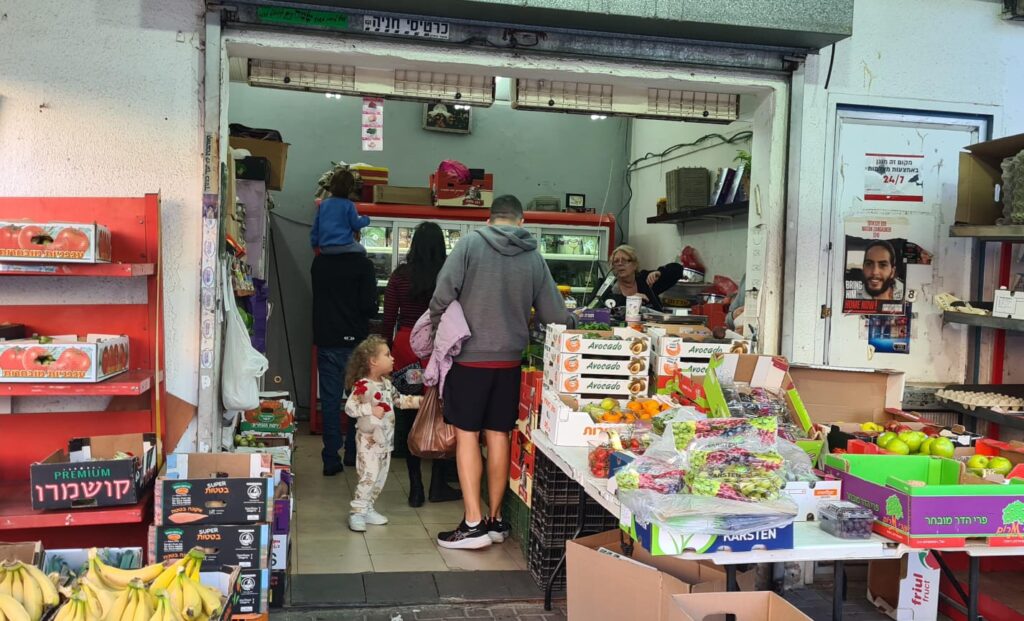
<point>359,362</point>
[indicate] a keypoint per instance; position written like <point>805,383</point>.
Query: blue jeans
<point>331,363</point>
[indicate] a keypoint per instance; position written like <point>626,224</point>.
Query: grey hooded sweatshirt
<point>497,275</point>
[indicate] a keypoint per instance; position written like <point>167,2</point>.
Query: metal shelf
<point>551,256</point>
<point>983,321</point>
<point>703,213</point>
<point>129,383</point>
<point>972,416</point>
<point>96,270</point>
<point>16,512</point>
<point>991,233</point>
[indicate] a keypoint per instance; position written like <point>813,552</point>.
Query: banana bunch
<point>29,588</point>
<point>187,598</point>
<point>75,609</point>
<point>134,603</point>
<point>116,578</point>
<point>190,563</point>
<point>12,610</point>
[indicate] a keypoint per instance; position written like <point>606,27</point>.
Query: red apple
<point>36,358</point>
<point>73,359</point>
<point>11,359</point>
<point>71,239</point>
<point>33,237</point>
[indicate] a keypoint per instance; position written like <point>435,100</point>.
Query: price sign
<point>406,27</point>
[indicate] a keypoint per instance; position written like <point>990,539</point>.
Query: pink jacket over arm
<point>442,348</point>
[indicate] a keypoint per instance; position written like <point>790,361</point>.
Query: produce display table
<point>810,542</point>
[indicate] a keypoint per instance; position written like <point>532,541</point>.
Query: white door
<point>893,199</point>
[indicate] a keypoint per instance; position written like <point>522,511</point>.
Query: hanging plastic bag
<point>431,437</point>
<point>242,367</point>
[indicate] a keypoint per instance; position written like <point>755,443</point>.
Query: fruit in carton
<point>1000,465</point>
<point>897,446</point>
<point>886,437</point>
<point>977,463</point>
<point>942,447</point>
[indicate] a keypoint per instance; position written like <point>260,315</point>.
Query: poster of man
<point>875,269</point>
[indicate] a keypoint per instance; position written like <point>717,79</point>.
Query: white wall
<point>953,56</point>
<point>103,98</point>
<point>721,244</point>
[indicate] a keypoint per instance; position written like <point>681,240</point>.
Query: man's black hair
<point>882,243</point>
<point>507,207</point>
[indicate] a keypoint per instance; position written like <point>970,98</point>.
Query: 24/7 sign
<point>890,177</point>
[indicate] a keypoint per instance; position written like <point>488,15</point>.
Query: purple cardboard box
<point>929,502</point>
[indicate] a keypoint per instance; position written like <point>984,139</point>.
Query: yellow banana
<point>133,604</point>
<point>12,609</point>
<point>101,597</point>
<point>192,603</point>
<point>32,597</point>
<point>116,613</point>
<point>175,595</point>
<point>144,610</point>
<point>168,575</point>
<point>7,583</point>
<point>46,585</point>
<point>211,600</point>
<point>192,567</point>
<point>119,578</point>
<point>17,589</point>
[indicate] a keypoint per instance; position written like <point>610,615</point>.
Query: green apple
<point>884,439</point>
<point>942,447</point>
<point>926,447</point>
<point>1001,465</point>
<point>911,439</point>
<point>977,462</point>
<point>898,446</point>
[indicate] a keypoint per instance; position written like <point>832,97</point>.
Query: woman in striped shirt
<point>406,298</point>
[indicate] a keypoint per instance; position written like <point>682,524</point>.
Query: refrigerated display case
<point>576,246</point>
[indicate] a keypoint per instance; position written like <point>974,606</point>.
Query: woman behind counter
<point>631,280</point>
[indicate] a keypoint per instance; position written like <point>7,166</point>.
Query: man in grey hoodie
<point>497,275</point>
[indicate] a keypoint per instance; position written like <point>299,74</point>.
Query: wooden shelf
<point>983,321</point>
<point>703,213</point>
<point>129,383</point>
<point>95,270</point>
<point>991,233</point>
<point>16,512</point>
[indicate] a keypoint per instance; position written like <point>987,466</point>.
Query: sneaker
<point>375,518</point>
<point>498,530</point>
<point>465,537</point>
<point>357,522</point>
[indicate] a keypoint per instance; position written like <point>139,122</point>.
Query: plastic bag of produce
<point>649,473</point>
<point>755,434</point>
<point>744,401</point>
<point>797,465</point>
<point>659,422</point>
<point>689,514</point>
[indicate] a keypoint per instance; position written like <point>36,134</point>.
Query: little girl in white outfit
<point>372,401</point>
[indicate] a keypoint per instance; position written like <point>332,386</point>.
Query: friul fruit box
<point>593,365</point>
<point>215,488</point>
<point>98,471</point>
<point>620,342</point>
<point>64,358</point>
<point>575,383</point>
<point>931,502</point>
<point>54,242</point>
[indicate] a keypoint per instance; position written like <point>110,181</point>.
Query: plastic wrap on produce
<point>707,434</point>
<point>685,413</point>
<point>689,514</point>
<point>650,473</point>
<point>797,465</point>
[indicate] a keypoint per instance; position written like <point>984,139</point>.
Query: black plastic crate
<point>560,523</point>
<point>542,563</point>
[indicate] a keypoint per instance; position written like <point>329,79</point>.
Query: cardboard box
<point>30,552</point>
<point>679,347</point>
<point>565,424</point>
<point>768,372</point>
<point>591,365</point>
<point>925,501</point>
<point>279,551</point>
<point>11,331</point>
<point>214,488</point>
<point>227,580</point>
<point>278,588</point>
<point>906,589</point>
<point>88,475</point>
<point>661,542</point>
<point>275,152</point>
<point>274,416</point>
<point>578,384</point>
<point>810,496</point>
<point>247,547</point>
<point>254,594</point>
<point>749,606</point>
<point>667,367</point>
<point>980,173</point>
<point>834,395</point>
<point>643,583</point>
<point>280,447</point>
<point>64,359</point>
<point>284,503</point>
<point>630,343</point>
<point>522,467</point>
<point>54,242</point>
<point>478,193</point>
<point>1014,451</point>
<point>78,558</point>
<point>397,195</point>
<point>1008,304</point>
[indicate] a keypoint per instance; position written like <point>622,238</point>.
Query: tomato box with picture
<point>273,416</point>
<point>99,471</point>
<point>215,488</point>
<point>65,358</point>
<point>54,242</point>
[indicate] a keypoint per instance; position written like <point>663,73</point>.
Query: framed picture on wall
<point>444,117</point>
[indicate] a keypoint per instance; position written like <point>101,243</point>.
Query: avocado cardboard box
<point>90,474</point>
<point>30,552</point>
<point>927,501</point>
<point>643,583</point>
<point>743,606</point>
<point>620,342</point>
<point>768,372</point>
<point>248,547</point>
<point>215,488</point>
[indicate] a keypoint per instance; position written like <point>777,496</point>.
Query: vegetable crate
<point>931,502</point>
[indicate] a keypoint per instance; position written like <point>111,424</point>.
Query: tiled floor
<point>324,544</point>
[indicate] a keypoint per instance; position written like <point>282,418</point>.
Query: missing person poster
<point>875,271</point>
